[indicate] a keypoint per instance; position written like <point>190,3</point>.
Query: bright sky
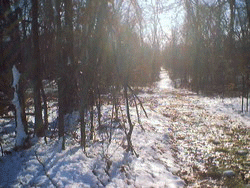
<point>170,15</point>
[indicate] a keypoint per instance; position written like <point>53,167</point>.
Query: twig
<point>130,144</point>
<point>138,100</point>
<point>94,172</point>
<point>45,171</point>
<point>1,148</point>
<point>138,115</point>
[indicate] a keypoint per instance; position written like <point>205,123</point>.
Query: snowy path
<point>177,140</point>
<point>201,129</point>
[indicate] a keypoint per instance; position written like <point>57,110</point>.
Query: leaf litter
<point>186,141</point>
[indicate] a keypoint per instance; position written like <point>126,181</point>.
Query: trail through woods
<point>206,135</point>
<point>188,140</point>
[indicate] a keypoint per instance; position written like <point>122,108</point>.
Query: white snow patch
<point>155,166</point>
<point>165,81</point>
<point>20,133</point>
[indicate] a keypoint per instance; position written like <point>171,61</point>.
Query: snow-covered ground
<point>108,165</point>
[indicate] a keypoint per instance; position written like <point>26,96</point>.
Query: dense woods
<point>209,53</point>
<point>114,93</point>
<point>85,49</point>
<point>88,50</point>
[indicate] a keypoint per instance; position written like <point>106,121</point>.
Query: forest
<point>85,49</point>
<point>209,53</point>
<point>65,57</point>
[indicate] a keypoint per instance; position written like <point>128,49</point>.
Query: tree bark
<point>91,100</point>
<point>83,107</point>
<point>21,133</point>
<point>231,39</point>
<point>61,76</point>
<point>131,126</point>
<point>248,11</point>
<point>69,62</point>
<point>39,130</point>
<point>45,113</point>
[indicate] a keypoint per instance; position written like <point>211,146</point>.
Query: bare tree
<point>248,10</point>
<point>36,75</point>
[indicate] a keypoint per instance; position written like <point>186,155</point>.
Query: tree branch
<point>46,172</point>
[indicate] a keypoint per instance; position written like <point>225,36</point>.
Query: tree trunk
<point>83,105</point>
<point>98,106</point>
<point>83,129</point>
<point>231,39</point>
<point>61,106</point>
<point>71,86</point>
<point>247,85</point>
<point>39,129</point>
<point>45,113</point>
<point>91,100</point>
<point>197,62</point>
<point>131,126</point>
<point>232,17</point>
<point>21,130</point>
<point>61,76</point>
<point>248,11</point>
<point>243,93</point>
<point>22,104</point>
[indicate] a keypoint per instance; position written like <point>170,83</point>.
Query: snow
<point>20,133</point>
<point>107,164</point>
<point>165,81</point>
<point>16,76</point>
<point>227,106</point>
